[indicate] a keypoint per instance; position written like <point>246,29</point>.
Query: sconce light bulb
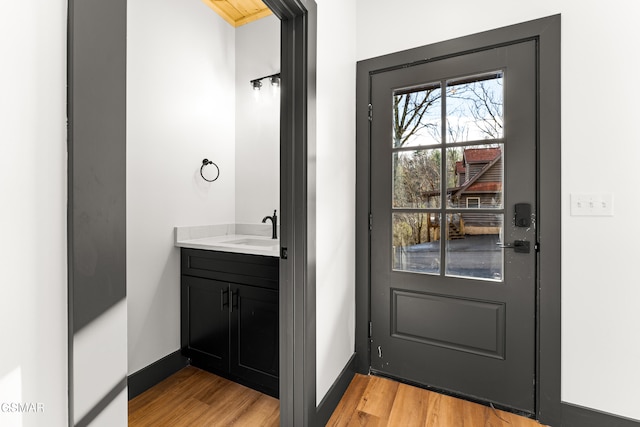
<point>275,81</point>
<point>257,84</point>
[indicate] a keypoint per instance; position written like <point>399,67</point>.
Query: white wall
<point>180,110</point>
<point>257,121</point>
<point>257,165</point>
<point>99,364</point>
<point>600,317</point>
<point>33,265</point>
<point>335,212</point>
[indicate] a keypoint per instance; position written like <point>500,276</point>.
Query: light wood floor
<point>377,402</point>
<point>196,398</point>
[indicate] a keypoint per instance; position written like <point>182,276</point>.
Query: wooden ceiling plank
<point>229,9</point>
<point>256,5</point>
<point>223,9</point>
<point>248,7</point>
<point>239,12</point>
<point>254,17</point>
<point>215,5</point>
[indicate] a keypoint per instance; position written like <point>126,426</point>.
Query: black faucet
<point>274,224</point>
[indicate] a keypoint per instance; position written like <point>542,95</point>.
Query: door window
<point>447,190</point>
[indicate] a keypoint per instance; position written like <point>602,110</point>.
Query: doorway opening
<point>97,202</point>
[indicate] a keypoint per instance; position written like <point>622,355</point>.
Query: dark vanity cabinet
<point>229,316</point>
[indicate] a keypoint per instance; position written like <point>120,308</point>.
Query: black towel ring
<point>206,162</point>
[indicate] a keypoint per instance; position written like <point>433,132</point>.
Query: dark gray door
<point>453,210</point>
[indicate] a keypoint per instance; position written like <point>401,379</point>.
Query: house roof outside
<point>481,155</point>
<point>486,157</point>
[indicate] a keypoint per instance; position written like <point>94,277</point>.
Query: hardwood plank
<point>378,398</point>
<point>446,410</point>
<point>409,407</point>
<point>235,396</point>
<point>205,387</point>
<point>476,413</point>
<point>159,409</point>
<point>196,398</point>
<point>347,406</point>
<point>374,401</point>
<point>167,384</point>
<point>363,419</point>
<point>265,412</point>
<point>193,397</point>
<point>188,413</point>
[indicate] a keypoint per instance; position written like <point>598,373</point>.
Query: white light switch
<point>592,204</point>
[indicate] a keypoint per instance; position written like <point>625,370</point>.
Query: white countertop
<point>254,239</point>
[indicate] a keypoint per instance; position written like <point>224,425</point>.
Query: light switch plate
<point>591,204</point>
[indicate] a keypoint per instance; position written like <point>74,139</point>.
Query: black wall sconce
<point>273,78</point>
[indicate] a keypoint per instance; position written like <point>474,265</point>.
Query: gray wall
<point>97,212</point>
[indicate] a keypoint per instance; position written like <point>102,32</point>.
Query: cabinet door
<point>205,322</point>
<point>254,336</point>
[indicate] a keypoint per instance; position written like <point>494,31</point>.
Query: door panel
<point>452,301</point>
<point>472,326</point>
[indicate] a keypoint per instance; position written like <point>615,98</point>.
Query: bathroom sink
<point>253,242</point>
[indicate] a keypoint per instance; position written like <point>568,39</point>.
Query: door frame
<point>546,33</point>
<point>297,210</point>
<point>297,187</point>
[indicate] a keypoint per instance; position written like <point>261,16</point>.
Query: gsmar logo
<point>21,407</point>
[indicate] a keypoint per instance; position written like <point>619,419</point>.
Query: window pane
<point>416,179</point>
<point>417,116</point>
<point>472,245</point>
<point>416,242</point>
<point>475,108</point>
<point>475,177</point>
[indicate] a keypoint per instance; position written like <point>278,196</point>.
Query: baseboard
<point>332,398</point>
<point>578,416</point>
<point>150,375</point>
